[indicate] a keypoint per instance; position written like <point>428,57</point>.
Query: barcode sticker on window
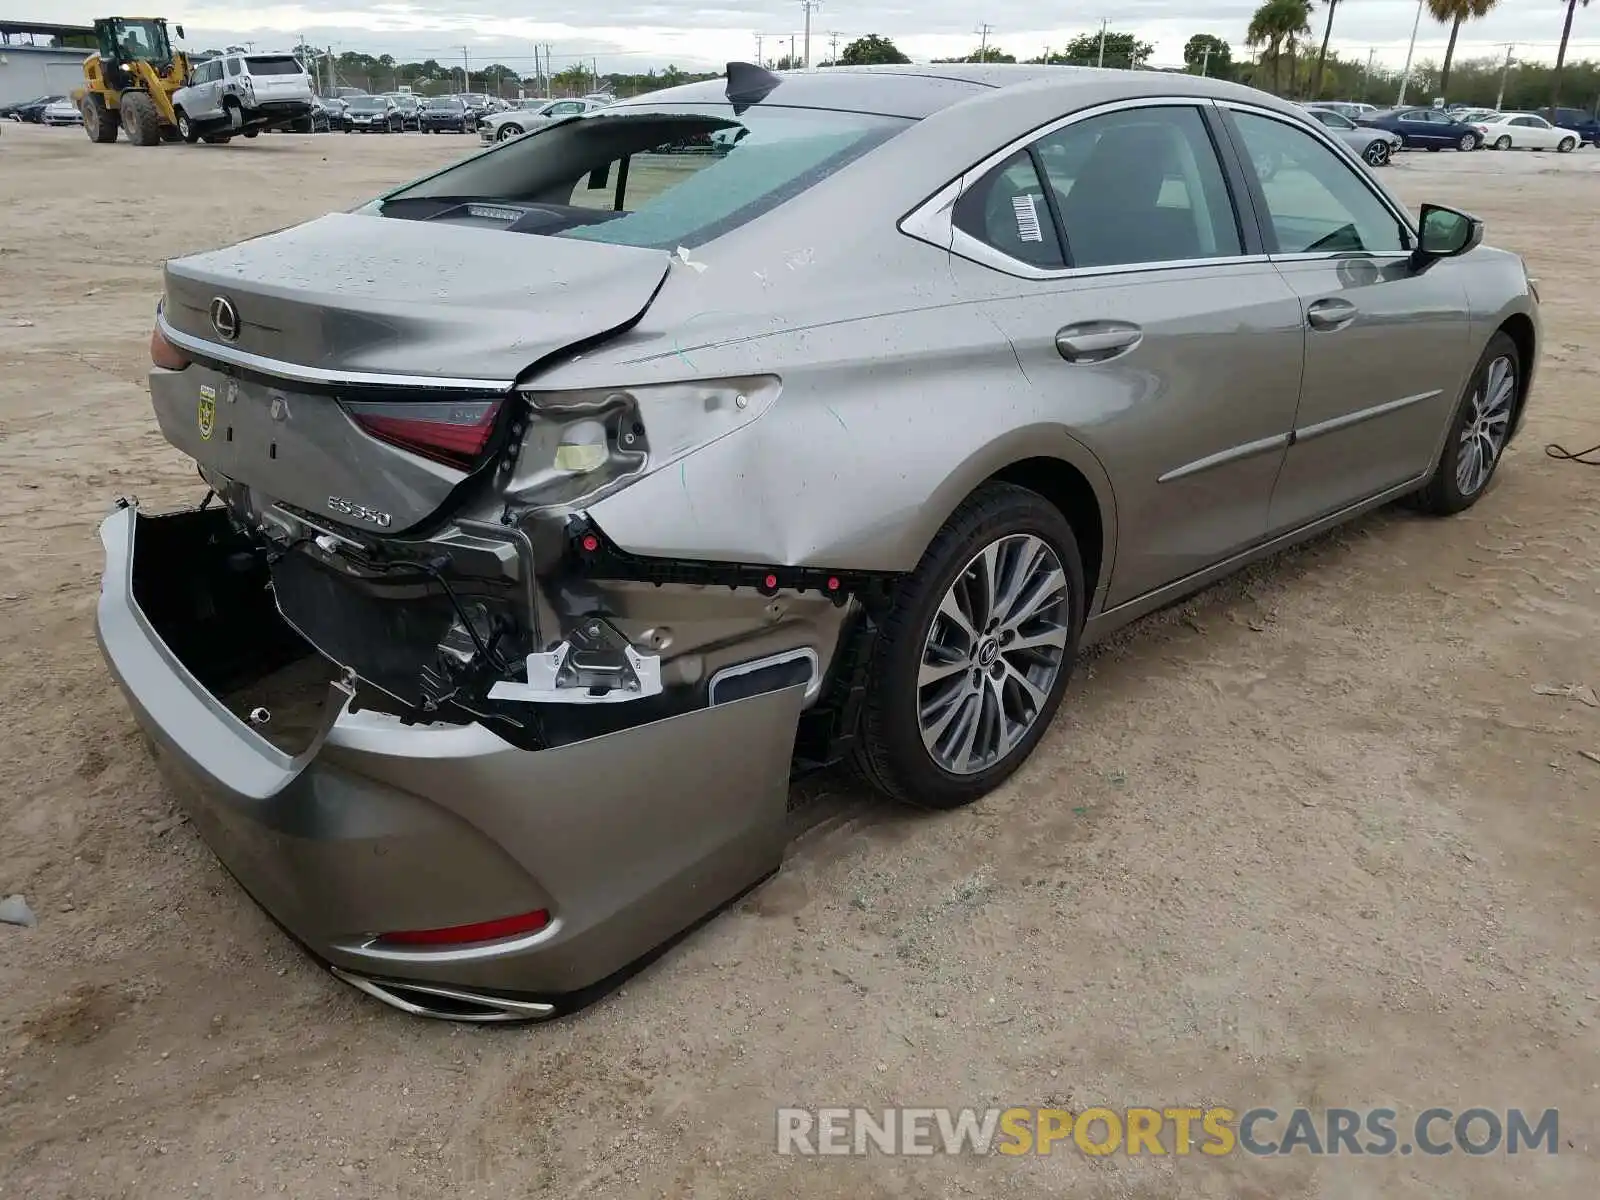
<point>1027,218</point>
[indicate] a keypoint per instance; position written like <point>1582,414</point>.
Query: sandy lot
<point>1312,839</point>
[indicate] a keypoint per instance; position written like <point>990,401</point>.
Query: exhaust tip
<point>443,1003</point>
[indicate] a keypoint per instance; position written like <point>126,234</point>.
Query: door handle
<point>1097,341</point>
<point>1330,314</point>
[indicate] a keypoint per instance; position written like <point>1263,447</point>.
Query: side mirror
<point>1444,233</point>
<point>179,29</point>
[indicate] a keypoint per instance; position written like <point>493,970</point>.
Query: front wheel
<point>1478,432</point>
<point>250,133</point>
<point>1376,154</point>
<point>1469,141</point>
<point>186,129</point>
<point>1503,142</point>
<point>975,652</point>
<point>1567,146</point>
<point>508,131</point>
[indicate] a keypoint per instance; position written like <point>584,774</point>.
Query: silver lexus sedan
<point>564,503</point>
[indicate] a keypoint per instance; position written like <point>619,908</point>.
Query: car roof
<point>922,89</point>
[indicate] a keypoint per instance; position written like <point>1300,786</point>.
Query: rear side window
<point>1007,209</point>
<point>678,176</point>
<point>233,66</point>
<point>1316,202</point>
<point>275,64</point>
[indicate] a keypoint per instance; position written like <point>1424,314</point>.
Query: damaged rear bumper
<point>376,826</point>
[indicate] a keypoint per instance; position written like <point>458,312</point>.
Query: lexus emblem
<point>225,319</point>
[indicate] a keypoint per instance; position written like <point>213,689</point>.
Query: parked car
<point>1476,116</point>
<point>61,112</point>
<point>29,111</point>
<point>372,114</point>
<point>1345,108</point>
<point>334,110</point>
<point>487,671</point>
<point>1425,128</point>
<point>242,93</point>
<point>1526,131</point>
<point>409,107</point>
<point>1375,146</point>
<point>1583,122</point>
<point>446,114</point>
<point>500,126</point>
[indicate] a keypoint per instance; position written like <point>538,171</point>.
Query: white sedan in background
<point>1526,131</point>
<point>497,127</point>
<point>61,112</point>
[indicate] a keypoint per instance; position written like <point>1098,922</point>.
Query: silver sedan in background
<point>565,502</point>
<point>1374,146</point>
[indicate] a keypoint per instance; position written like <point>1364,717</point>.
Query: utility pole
<point>466,72</point>
<point>549,71</point>
<point>1500,98</point>
<point>760,62</point>
<point>808,5</point>
<point>983,31</point>
<point>1101,61</point>
<point>791,52</point>
<point>1205,60</point>
<point>1405,76</point>
<point>833,37</point>
<point>1366,74</point>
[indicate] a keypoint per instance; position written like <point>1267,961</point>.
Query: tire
<point>1503,142</point>
<point>1434,149</point>
<point>303,125</point>
<point>1567,145</point>
<point>986,533</point>
<point>1456,484</point>
<point>1468,142</point>
<point>508,130</point>
<point>1376,154</point>
<point>216,139</point>
<point>98,121</point>
<point>250,133</point>
<point>186,129</point>
<point>140,119</point>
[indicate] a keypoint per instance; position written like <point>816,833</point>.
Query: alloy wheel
<point>992,655</point>
<point>1503,142</point>
<point>1377,154</point>
<point>1468,142</point>
<point>1488,423</point>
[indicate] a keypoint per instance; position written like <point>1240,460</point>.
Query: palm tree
<point>1275,23</point>
<point>1561,59</point>
<point>1322,55</point>
<point>1456,11</point>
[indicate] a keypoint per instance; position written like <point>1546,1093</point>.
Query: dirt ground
<point>1312,839</point>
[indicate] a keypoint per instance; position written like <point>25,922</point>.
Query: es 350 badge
<point>206,416</point>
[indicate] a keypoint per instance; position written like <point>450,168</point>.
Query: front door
<point>1386,346</point>
<point>1146,326</point>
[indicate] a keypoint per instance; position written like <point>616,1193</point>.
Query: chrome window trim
<point>296,373</point>
<point>1352,164</point>
<point>932,221</point>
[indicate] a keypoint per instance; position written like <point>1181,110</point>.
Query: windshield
<point>445,105</point>
<point>366,104</point>
<point>402,100</point>
<point>659,177</point>
<point>142,40</point>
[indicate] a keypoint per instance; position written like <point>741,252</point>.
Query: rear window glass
<point>668,177</point>
<point>277,64</point>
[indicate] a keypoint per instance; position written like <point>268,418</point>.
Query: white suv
<point>243,93</point>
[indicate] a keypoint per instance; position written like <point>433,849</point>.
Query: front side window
<point>1007,209</point>
<point>1316,202</point>
<point>660,176</point>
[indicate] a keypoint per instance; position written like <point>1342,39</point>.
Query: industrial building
<point>40,59</point>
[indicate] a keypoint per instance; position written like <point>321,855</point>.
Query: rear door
<point>1144,316</point>
<point>1386,347</point>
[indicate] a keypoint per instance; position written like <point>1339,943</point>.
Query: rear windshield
<point>277,64</point>
<point>659,177</point>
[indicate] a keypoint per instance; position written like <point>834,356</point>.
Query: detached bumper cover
<point>626,839</point>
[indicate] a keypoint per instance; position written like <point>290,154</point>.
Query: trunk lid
<point>433,321</point>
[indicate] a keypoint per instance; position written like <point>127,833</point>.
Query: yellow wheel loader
<point>128,83</point>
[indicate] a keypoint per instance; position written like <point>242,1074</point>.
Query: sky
<point>636,35</point>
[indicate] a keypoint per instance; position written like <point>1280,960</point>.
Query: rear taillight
<point>455,432</point>
<point>164,354</point>
<point>480,931</point>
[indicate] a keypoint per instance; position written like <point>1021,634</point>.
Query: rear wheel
<point>303,125</point>
<point>975,653</point>
<point>250,133</point>
<point>1567,145</point>
<point>140,119</point>
<point>1478,432</point>
<point>99,122</point>
<point>216,139</point>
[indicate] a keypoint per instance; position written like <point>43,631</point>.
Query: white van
<point>243,93</point>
